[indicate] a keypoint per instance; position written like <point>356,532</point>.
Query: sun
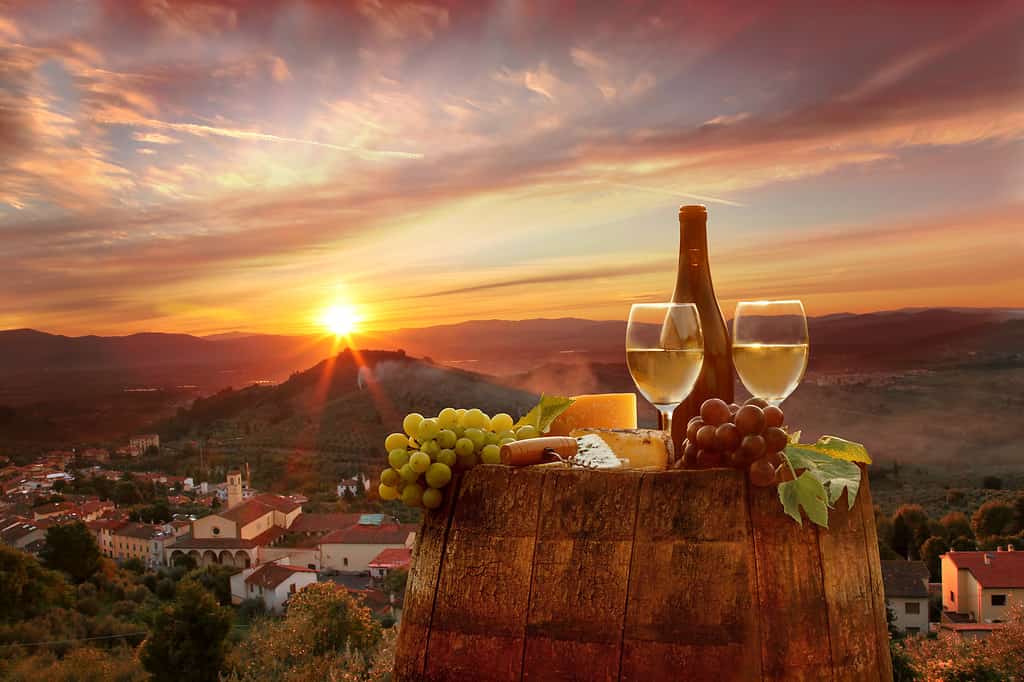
<point>340,320</point>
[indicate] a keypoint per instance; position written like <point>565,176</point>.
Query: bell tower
<point>234,488</point>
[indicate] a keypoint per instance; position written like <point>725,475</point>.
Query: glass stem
<point>665,420</point>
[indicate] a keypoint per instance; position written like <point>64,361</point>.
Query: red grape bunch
<point>749,436</point>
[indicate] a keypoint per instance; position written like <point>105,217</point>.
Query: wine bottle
<point>693,285</point>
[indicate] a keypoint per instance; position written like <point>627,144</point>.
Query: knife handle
<point>536,450</point>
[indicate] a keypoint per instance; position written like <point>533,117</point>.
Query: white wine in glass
<point>664,353</point>
<point>770,347</point>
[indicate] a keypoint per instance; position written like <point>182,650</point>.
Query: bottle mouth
<point>693,210</point>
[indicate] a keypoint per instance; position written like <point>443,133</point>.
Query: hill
<point>330,420</point>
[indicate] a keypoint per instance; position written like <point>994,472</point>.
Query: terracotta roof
<point>905,579</point>
<point>264,538</point>
<point>387,534</point>
<point>257,506</point>
<point>392,557</point>
<point>272,575</point>
<point>53,507</point>
<point>1006,569</point>
<point>968,627</point>
<point>138,530</point>
<point>278,502</point>
<point>322,523</point>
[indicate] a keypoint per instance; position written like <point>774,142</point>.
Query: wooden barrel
<point>555,574</point>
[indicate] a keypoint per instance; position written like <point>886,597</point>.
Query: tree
<point>395,581</point>
<point>126,493</point>
<point>992,483</point>
<point>71,548</point>
<point>216,579</point>
<point>956,525</point>
<point>26,588</point>
<point>325,629</point>
<point>906,522</point>
<point>187,639</point>
<point>995,518</point>
<point>963,544</point>
<point>931,553</point>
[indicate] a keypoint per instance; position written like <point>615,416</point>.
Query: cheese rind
<point>599,411</point>
<point>642,448</point>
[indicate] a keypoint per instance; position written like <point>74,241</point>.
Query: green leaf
<point>545,412</point>
<point>805,491</point>
<point>834,474</point>
<point>834,446</point>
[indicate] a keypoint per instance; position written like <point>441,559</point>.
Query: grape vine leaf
<point>833,473</point>
<point>836,447</point>
<point>545,412</point>
<point>805,491</point>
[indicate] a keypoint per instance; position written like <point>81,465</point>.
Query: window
<point>912,607</point>
<point>952,596</point>
<point>346,561</point>
<point>913,631</point>
<point>291,588</point>
<point>998,600</point>
<point>216,530</point>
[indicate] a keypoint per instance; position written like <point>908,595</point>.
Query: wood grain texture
<point>794,621</point>
<point>482,594</point>
<point>418,606</point>
<point>550,574</point>
<point>693,591</point>
<point>580,575</point>
<point>847,582</point>
<point>876,590</point>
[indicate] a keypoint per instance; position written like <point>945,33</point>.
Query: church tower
<point>234,488</point>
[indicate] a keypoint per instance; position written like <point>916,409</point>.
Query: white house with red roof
<point>390,559</point>
<point>273,582</point>
<point>979,587</point>
<point>351,549</point>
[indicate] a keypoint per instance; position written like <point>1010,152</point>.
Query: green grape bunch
<point>423,459</point>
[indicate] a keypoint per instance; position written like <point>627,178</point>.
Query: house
<point>20,532</point>
<point>906,593</point>
<point>274,583</point>
<point>52,509</point>
<point>979,587</point>
<point>350,486</point>
<point>137,445</point>
<point>140,541</point>
<point>395,558</point>
<point>352,549</point>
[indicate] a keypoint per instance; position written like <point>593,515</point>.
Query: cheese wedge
<point>599,411</point>
<point>641,448</point>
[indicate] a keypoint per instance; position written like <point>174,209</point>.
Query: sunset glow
<point>205,167</point>
<point>340,319</point>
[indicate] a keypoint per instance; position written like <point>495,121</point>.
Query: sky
<point>204,167</point>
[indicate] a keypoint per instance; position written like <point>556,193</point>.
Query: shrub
<point>89,606</point>
<point>992,483</point>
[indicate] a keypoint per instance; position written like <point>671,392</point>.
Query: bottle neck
<point>693,277</point>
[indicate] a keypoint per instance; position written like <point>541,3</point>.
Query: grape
<point>476,436</point>
<point>411,423</point>
<point>738,460</point>
<point>692,427</point>
<point>432,498</point>
<point>464,447</point>
<point>759,402</point>
<point>775,439</point>
<point>396,441</point>
<point>528,431</point>
<point>419,462</point>
<point>475,419</point>
<point>506,435</point>
<point>775,458</point>
<point>783,473</point>
<point>752,447</point>
<point>408,474</point>
<point>387,492</point>
<point>773,416</point>
<point>427,430</point>
<point>412,495</point>
<point>505,441</point>
<point>750,420</point>
<point>706,437</point>
<point>448,418</point>
<point>438,475</point>
<point>733,409</point>
<point>714,412</point>
<point>502,422</point>
<point>709,459</point>
<point>491,438</point>
<point>459,412</point>
<point>727,437</point>
<point>690,454</point>
<point>447,456</point>
<point>389,477</point>
<point>491,454</point>
<point>762,473</point>
<point>397,458</point>
<point>446,438</point>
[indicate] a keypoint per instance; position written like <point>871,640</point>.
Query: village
<point>273,546</point>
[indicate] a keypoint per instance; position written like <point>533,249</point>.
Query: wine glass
<point>769,347</point>
<point>664,353</point>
